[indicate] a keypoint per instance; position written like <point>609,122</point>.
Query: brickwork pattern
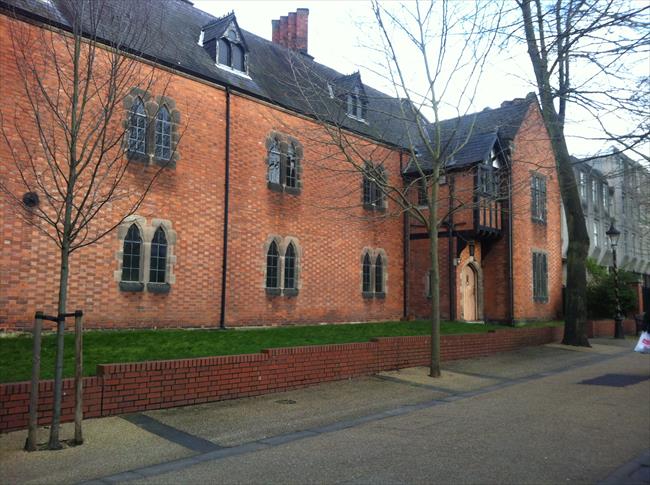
<point>136,387</point>
<point>533,154</point>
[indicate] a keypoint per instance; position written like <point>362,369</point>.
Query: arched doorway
<point>469,292</point>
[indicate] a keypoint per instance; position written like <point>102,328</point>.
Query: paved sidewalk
<point>519,417</point>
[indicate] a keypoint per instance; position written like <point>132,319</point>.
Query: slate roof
<point>276,74</point>
<point>468,139</point>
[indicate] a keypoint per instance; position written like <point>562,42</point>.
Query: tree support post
<point>78,376</point>
<point>30,444</point>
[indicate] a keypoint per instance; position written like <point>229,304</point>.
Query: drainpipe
<point>406,255</point>
<point>451,254</point>
<point>511,290</point>
<point>226,197</point>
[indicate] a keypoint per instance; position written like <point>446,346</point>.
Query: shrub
<point>601,301</point>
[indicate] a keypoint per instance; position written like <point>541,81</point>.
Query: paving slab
<point>230,423</point>
<point>531,361</point>
<point>548,430</point>
<point>111,445</point>
<point>449,381</point>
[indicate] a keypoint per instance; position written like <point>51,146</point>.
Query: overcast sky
<point>338,38</point>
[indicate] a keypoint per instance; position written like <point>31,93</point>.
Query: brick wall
<point>127,388</point>
<point>326,219</point>
<point>533,153</point>
<point>605,328</point>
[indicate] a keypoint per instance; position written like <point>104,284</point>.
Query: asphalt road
<point>531,416</point>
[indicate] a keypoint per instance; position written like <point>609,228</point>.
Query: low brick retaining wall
<point>605,328</point>
<point>127,388</point>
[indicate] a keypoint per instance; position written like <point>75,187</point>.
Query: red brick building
<point>256,217</point>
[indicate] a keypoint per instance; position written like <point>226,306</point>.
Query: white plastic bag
<point>644,343</point>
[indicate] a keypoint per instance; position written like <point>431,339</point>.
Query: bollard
<point>30,444</point>
<point>78,376</point>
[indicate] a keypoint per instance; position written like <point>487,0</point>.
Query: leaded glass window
<point>163,134</point>
<point>379,275</point>
<point>540,277</point>
<point>238,57</point>
<point>538,194</point>
<point>158,261</point>
<point>367,190</point>
<point>290,268</point>
<point>274,163</point>
<point>272,266</point>
<point>291,172</point>
<point>367,270</point>
<point>138,128</point>
<point>131,254</point>
<point>224,52</point>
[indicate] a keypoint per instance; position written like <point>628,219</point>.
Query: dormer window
<point>223,40</point>
<point>351,94</point>
<point>356,105</point>
<point>230,52</point>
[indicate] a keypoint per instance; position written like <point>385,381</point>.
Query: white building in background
<point>616,188</point>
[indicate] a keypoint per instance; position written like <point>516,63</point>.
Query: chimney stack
<point>292,30</point>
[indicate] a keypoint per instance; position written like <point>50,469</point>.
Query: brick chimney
<point>292,30</point>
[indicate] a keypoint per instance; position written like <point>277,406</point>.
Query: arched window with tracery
<point>131,254</point>
<point>273,266</point>
<point>379,275</point>
<point>158,260</point>
<point>290,268</point>
<point>274,160</point>
<point>138,128</point>
<point>367,274</point>
<point>291,172</point>
<point>163,134</point>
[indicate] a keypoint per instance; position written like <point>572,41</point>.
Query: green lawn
<point>102,347</point>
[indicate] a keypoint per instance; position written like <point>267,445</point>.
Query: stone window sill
<point>131,286</point>
<point>137,157</point>
<point>368,295</point>
<point>159,288</point>
<point>290,292</point>
<point>273,291</point>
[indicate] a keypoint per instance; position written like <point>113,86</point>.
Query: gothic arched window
<point>273,266</point>
<point>379,275</point>
<point>367,274</point>
<point>163,134</point>
<point>274,160</point>
<point>138,128</point>
<point>132,250</point>
<point>158,260</point>
<point>290,267</point>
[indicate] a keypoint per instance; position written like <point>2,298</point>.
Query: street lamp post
<point>613,234</point>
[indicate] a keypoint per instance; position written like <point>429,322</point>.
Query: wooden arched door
<point>469,283</point>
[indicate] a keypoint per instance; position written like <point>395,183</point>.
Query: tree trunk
<point>54,443</point>
<point>578,248</point>
<point>434,279</point>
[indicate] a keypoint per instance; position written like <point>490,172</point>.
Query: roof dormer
<point>223,40</point>
<point>351,91</point>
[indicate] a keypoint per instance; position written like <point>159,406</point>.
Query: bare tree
<point>68,134</point>
<point>582,52</point>
<point>452,73</point>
